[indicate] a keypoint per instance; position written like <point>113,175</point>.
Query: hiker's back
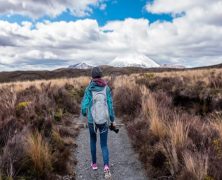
<point>99,109</point>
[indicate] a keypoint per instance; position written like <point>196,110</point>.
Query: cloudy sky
<point>48,34</point>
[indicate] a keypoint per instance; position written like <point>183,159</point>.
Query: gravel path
<point>123,160</point>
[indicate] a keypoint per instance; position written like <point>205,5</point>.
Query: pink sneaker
<point>107,172</point>
<point>94,166</point>
<point>106,168</point>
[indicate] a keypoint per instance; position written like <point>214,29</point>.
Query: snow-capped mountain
<point>175,66</point>
<point>81,66</point>
<point>134,60</point>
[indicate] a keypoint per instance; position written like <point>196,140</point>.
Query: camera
<point>113,128</point>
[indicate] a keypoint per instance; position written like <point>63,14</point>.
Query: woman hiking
<point>98,107</point>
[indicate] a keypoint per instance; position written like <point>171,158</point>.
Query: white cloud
<point>196,33</point>
<point>38,8</point>
<point>194,39</point>
<point>171,6</point>
<point>205,11</point>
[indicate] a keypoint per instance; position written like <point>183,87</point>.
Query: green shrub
<point>56,138</point>
<point>149,75</point>
<point>58,114</point>
<point>23,104</point>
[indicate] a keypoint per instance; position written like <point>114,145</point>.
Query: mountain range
<point>72,72</point>
<point>134,60</point>
<point>80,66</point>
<point>131,60</point>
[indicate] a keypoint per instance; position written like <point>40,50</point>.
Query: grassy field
<point>174,120</point>
<point>37,128</point>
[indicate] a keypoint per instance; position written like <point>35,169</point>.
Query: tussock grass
<point>157,125</point>
<point>178,132</point>
<point>22,85</point>
<point>176,135</point>
<point>56,138</point>
<point>216,123</point>
<point>125,81</point>
<point>196,164</point>
<point>145,107</point>
<point>170,152</point>
<point>127,97</point>
<point>38,151</point>
<point>8,100</point>
<point>167,115</point>
<point>36,107</point>
<point>192,75</point>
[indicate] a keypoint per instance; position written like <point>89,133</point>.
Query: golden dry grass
<point>145,95</point>
<point>216,123</point>
<point>171,128</point>
<point>174,132</point>
<point>21,85</point>
<point>178,132</point>
<point>125,81</point>
<point>38,147</point>
<point>192,75</point>
<point>197,164</point>
<point>170,152</point>
<point>39,153</point>
<point>8,98</point>
<point>56,137</point>
<point>157,125</point>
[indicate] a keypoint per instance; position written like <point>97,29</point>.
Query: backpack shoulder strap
<point>104,90</point>
<point>95,93</point>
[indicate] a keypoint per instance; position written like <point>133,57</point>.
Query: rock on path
<point>123,160</point>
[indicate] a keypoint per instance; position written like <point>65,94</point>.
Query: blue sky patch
<point>114,10</point>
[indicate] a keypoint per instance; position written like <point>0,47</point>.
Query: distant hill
<point>176,66</point>
<point>212,66</point>
<point>73,72</point>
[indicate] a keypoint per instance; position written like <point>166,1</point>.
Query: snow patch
<point>134,60</point>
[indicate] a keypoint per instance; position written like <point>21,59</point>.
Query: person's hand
<point>113,124</point>
<point>112,127</point>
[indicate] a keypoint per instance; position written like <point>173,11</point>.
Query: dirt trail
<point>123,160</point>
